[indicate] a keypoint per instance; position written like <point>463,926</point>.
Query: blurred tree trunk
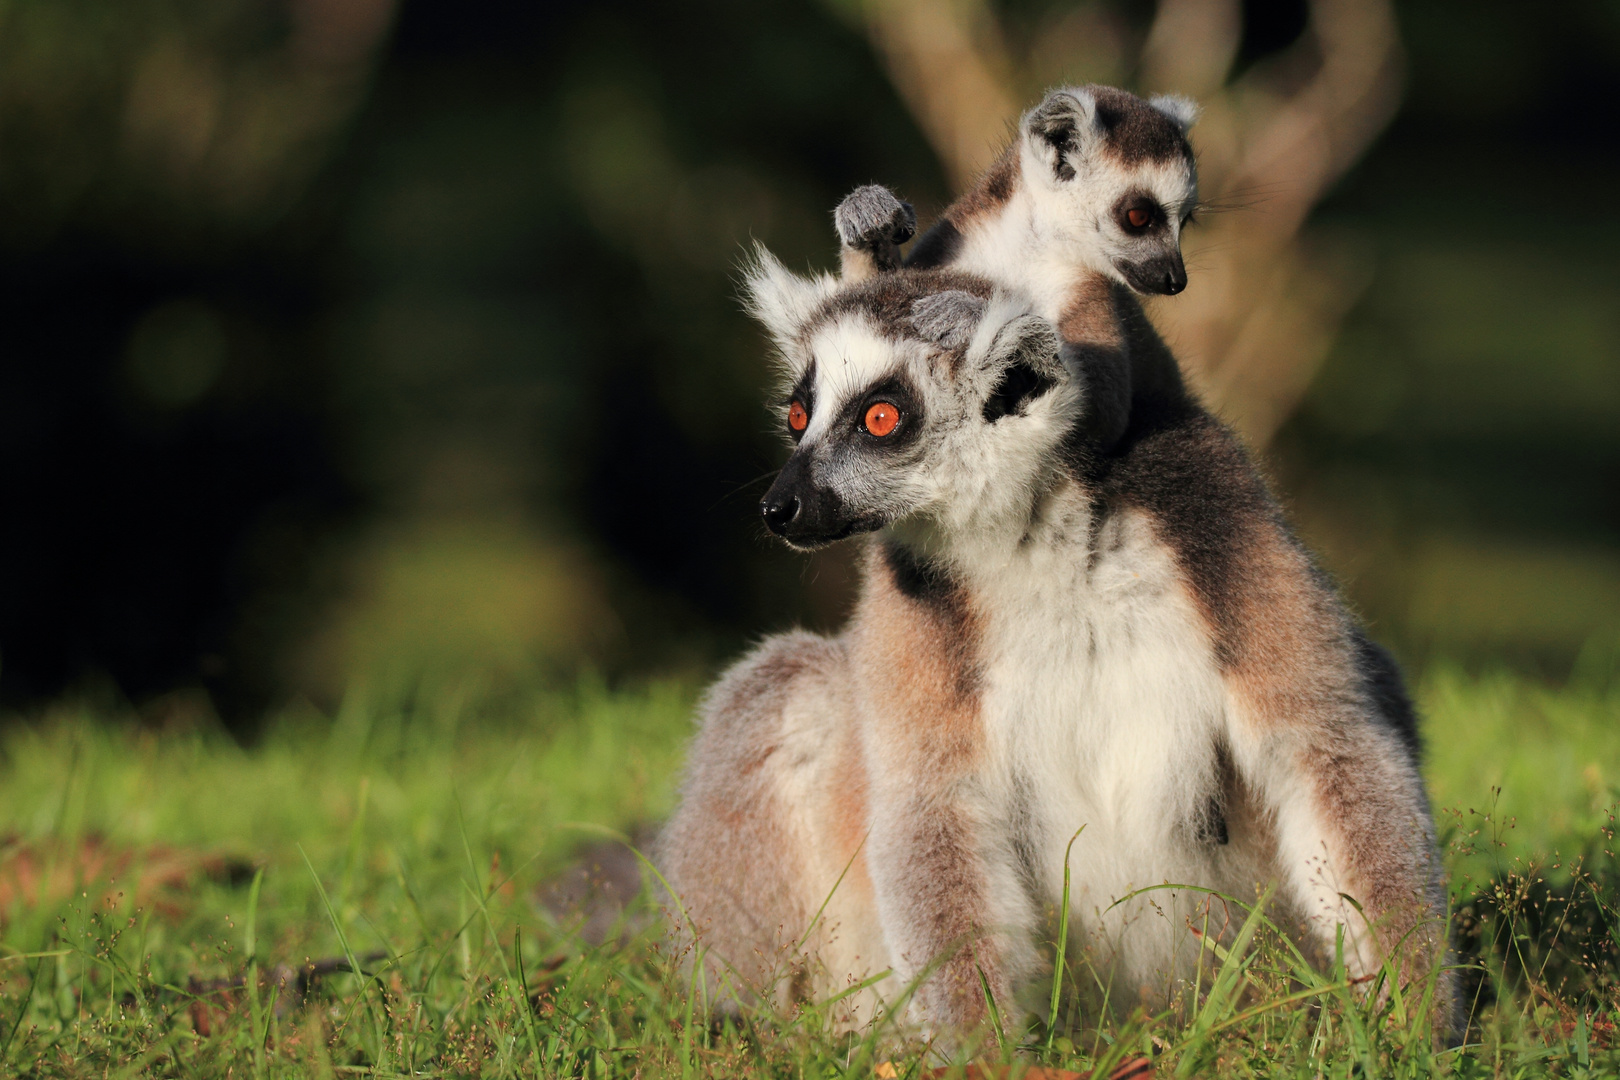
<point>1267,295</point>
<point>239,130</point>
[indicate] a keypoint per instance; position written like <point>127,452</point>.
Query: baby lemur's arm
<point>872,223</point>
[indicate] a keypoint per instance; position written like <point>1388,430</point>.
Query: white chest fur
<point>1103,708</point>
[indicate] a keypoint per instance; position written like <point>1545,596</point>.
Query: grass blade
<point>1062,944</point>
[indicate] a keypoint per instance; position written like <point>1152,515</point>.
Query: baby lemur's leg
<point>753,849</point>
<point>951,906</point>
<point>872,223</point>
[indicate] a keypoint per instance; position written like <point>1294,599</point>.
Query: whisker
<point>1244,198</point>
<point>740,488</point>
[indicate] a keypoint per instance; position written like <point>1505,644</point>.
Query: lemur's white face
<point>917,394</point>
<point>1116,177</point>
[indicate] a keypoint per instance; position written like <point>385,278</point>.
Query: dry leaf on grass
<point>283,984</point>
<point>38,873</point>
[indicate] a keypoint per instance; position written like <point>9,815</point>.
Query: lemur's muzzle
<point>802,512</point>
<point>1162,275</point>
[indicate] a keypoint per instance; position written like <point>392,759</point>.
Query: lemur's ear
<point>948,318</point>
<point>1053,130</point>
<point>1183,110</point>
<point>779,298</point>
<point>1027,339</point>
<point>1025,351</point>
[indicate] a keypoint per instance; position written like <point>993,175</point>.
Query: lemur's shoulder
<point>1266,603</point>
<point>1189,472</point>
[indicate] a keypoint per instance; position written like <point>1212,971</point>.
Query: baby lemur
<point>1098,181</point>
<point>1096,185</point>
<point>1061,624</point>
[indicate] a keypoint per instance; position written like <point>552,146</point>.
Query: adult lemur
<point>1059,626</point>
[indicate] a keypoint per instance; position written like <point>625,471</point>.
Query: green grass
<point>405,837</point>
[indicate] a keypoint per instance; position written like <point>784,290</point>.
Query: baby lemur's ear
<point>872,223</point>
<point>1183,110</point>
<point>1055,129</point>
<point>781,299</point>
<point>947,318</point>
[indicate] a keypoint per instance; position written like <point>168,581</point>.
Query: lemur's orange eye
<point>798,418</point>
<point>1138,217</point>
<point>881,418</point>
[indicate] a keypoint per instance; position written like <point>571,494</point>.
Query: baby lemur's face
<point>913,394</point>
<point>1115,177</point>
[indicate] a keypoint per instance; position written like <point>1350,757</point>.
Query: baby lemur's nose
<point>1175,279</point>
<point>779,513</point>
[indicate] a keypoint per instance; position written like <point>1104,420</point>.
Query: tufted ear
<point>947,318</point>
<point>779,298</point>
<point>1027,339</point>
<point>1055,129</point>
<point>1026,352</point>
<point>1183,110</point>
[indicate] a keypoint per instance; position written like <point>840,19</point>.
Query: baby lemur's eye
<point>1138,213</point>
<point>881,418</point>
<point>798,416</point>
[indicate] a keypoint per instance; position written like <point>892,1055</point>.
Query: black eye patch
<point>804,392</point>
<point>1018,384</point>
<point>894,389</point>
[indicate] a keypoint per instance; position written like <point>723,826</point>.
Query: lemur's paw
<point>873,217</point>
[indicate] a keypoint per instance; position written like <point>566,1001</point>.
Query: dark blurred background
<point>347,341</point>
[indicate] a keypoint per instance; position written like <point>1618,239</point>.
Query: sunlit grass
<point>1552,754</point>
<point>406,835</point>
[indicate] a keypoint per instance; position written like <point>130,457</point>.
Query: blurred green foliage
<point>344,339</point>
<point>1458,458</point>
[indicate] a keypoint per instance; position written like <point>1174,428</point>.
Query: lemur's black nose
<point>1174,281</point>
<point>779,513</point>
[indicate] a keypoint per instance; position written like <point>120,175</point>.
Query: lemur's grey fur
<point>947,317</point>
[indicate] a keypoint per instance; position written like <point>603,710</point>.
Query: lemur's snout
<point>804,513</point>
<point>1175,278</point>
<point>1162,275</point>
<point>779,512</point>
